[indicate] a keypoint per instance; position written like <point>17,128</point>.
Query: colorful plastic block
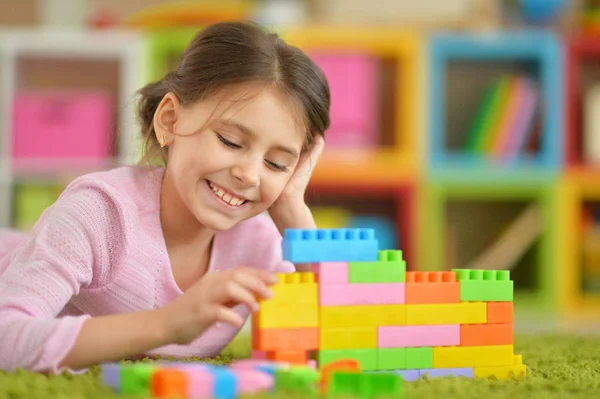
<point>500,312</point>
<point>338,365</point>
<point>169,384</point>
<point>362,316</point>
<point>389,268</point>
<point>419,358</point>
<point>361,294</point>
<point>329,245</point>
<point>432,288</point>
<point>456,372</point>
<point>517,370</point>
<point>367,358</point>
<point>391,358</point>
<point>110,375</point>
<point>365,385</point>
<point>472,356</point>
<point>294,289</point>
<point>486,334</point>
<point>414,336</point>
<point>446,313</point>
<point>252,381</point>
<point>285,316</point>
<point>290,356</point>
<point>330,272</point>
<point>135,379</point>
<point>297,380</point>
<point>485,285</point>
<point>348,338</point>
<point>272,339</point>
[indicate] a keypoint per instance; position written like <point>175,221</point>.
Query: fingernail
<point>269,294</point>
<point>272,278</point>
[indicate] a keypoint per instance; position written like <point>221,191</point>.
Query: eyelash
<point>235,146</point>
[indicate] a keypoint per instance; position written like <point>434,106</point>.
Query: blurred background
<point>466,132</point>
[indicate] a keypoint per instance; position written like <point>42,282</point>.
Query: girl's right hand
<point>211,300</point>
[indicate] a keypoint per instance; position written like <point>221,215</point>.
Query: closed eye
<point>228,143</point>
<point>273,165</point>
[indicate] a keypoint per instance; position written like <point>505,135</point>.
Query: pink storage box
<point>62,125</point>
<point>354,85</point>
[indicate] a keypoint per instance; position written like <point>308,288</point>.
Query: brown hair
<point>232,53</point>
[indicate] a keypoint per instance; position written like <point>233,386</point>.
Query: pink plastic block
<point>62,125</point>
<point>353,82</point>
<point>258,355</point>
<point>200,380</point>
<point>253,381</point>
<point>361,294</point>
<point>331,272</point>
<point>250,364</point>
<point>413,336</point>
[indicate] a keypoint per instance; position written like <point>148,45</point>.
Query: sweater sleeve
<point>67,251</point>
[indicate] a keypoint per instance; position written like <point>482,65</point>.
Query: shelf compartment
<point>466,220</point>
<point>396,202</point>
<point>463,67</point>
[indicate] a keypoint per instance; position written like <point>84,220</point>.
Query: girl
<point>169,260</point>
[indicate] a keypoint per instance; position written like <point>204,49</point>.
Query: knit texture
<point>100,250</point>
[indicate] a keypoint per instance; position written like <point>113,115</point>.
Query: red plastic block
<point>361,294</point>
<point>338,365</point>
<point>293,356</point>
<point>330,272</point>
<point>486,334</point>
<point>432,288</point>
<point>276,339</point>
<point>500,312</point>
<point>169,383</point>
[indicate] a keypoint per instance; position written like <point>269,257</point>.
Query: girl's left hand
<point>291,201</point>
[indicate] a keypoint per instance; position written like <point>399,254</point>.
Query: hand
<point>291,200</point>
<point>211,300</point>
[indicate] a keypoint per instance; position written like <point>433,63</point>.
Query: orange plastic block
<point>432,287</point>
<point>338,365</point>
<point>500,312</point>
<point>169,384</point>
<point>486,334</point>
<point>291,356</point>
<point>275,339</point>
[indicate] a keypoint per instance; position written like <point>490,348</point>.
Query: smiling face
<point>229,160</point>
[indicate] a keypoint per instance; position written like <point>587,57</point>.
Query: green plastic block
<point>367,358</point>
<point>135,378</point>
<point>297,380</point>
<point>365,386</point>
<point>419,358</point>
<point>391,358</point>
<point>31,200</point>
<point>389,268</point>
<point>485,285</point>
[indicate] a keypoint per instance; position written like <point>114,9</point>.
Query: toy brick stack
<point>359,303</point>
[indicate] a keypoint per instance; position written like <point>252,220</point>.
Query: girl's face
<point>238,162</point>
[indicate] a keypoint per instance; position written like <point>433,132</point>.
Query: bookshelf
<point>64,84</point>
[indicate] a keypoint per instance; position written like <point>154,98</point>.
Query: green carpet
<point>560,366</point>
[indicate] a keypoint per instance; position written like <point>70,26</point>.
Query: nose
<point>247,171</point>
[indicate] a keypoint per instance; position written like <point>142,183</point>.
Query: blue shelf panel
<point>538,46</point>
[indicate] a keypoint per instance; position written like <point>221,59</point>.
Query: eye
<point>228,143</point>
<point>273,165</point>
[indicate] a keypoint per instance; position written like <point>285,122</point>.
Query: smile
<point>225,196</point>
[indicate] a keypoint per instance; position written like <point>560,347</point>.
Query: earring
<point>162,141</point>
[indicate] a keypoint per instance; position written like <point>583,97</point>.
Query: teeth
<point>228,198</point>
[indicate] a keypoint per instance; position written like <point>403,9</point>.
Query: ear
<point>165,118</point>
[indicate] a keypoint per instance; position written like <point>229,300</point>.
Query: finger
<point>253,284</point>
<point>233,293</point>
<point>264,275</point>
<point>228,315</point>
<point>309,159</point>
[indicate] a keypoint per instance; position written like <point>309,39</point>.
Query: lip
<point>223,203</point>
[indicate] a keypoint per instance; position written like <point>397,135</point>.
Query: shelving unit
<point>479,59</point>
<point>475,213</point>
<point>62,61</point>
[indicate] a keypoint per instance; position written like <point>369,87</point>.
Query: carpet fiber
<point>560,366</point>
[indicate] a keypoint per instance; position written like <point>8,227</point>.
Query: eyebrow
<point>247,130</point>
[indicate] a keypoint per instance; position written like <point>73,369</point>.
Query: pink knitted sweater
<point>100,250</point>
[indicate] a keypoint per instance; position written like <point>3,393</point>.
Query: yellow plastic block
<point>297,289</point>
<point>472,356</point>
<point>362,316</point>
<point>518,370</point>
<point>286,316</point>
<point>348,338</point>
<point>447,313</point>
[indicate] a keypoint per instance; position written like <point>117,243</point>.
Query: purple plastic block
<point>111,376</point>
<point>407,375</point>
<point>457,372</point>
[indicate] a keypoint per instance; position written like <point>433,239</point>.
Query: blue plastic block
<point>329,245</point>
<point>225,383</point>
<point>387,236</point>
